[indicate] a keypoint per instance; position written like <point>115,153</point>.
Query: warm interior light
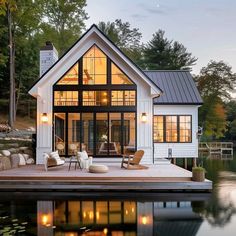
<point>144,220</point>
<point>144,117</point>
<point>45,219</point>
<point>105,231</point>
<point>44,118</point>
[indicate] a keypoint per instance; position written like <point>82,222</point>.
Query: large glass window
<point>87,133</point>
<point>158,129</point>
<point>129,133</point>
<point>71,77</point>
<point>59,132</point>
<point>94,67</point>
<point>95,98</point>
<point>117,76</point>
<point>172,129</point>
<point>115,133</point>
<point>73,133</point>
<point>123,98</point>
<point>102,133</point>
<point>66,98</point>
<point>185,132</point>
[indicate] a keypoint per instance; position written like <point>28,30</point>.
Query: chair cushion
<point>95,168</point>
<point>55,155</point>
<point>83,155</point>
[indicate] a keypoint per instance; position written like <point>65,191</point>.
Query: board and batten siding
<point>45,102</point>
<point>179,150</point>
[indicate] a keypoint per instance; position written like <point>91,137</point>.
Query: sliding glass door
<point>98,133</point>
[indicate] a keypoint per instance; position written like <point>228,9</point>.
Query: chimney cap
<point>48,43</point>
<point>48,46</point>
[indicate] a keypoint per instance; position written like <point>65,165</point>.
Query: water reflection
<point>108,217</point>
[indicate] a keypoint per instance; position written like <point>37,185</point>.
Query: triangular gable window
<point>71,77</point>
<point>118,77</point>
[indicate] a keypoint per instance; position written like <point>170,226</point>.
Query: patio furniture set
<point>83,161</point>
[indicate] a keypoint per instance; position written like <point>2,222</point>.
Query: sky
<point>207,28</point>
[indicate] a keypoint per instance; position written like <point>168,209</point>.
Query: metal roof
<point>177,85</point>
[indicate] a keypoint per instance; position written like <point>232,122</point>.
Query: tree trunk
<point>11,65</point>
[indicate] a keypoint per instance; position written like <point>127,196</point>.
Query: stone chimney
<point>48,56</point>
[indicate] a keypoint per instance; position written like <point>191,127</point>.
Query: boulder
<point>6,153</point>
<point>23,148</point>
<point>15,160</point>
<point>5,163</point>
<point>26,156</point>
<point>12,150</point>
<point>22,160</point>
<point>30,161</point>
<point>29,152</point>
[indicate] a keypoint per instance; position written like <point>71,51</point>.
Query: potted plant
<point>198,174</point>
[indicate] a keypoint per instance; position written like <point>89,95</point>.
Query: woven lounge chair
<point>52,160</point>
<point>131,162</point>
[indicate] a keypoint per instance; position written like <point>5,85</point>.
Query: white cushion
<point>95,168</point>
<point>60,162</point>
<point>6,153</point>
<point>82,155</point>
<point>55,155</point>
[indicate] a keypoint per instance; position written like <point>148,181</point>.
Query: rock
<point>22,160</point>
<point>6,153</point>
<point>12,150</point>
<point>23,148</point>
<point>5,163</point>
<point>13,144</point>
<point>15,160</point>
<point>26,156</point>
<point>30,161</point>
<point>29,152</point>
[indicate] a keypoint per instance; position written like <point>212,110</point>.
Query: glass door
<point>102,134</point>
<point>115,142</point>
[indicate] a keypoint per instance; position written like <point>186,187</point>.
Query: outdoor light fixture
<point>45,220</point>
<point>144,220</point>
<point>44,117</point>
<point>144,117</point>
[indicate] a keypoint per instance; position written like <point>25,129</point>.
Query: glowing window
<point>117,76</point>
<point>66,98</point>
<point>71,77</point>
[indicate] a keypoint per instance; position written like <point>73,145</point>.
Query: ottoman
<point>96,168</point>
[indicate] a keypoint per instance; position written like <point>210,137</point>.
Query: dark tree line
<point>25,25</point>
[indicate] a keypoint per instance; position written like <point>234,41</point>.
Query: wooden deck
<point>167,177</point>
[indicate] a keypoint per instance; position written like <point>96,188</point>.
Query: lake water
<point>120,214</point>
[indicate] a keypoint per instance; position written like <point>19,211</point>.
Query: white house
<point>96,99</point>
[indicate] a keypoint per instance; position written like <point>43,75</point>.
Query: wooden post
<point>185,163</point>
<point>174,161</point>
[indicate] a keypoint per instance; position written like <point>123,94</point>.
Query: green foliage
<point>161,53</point>
<point>63,22</point>
<point>231,110</point>
<point>232,129</point>
<point>216,79</point>
<point>214,83</point>
<point>198,169</point>
<point>126,38</point>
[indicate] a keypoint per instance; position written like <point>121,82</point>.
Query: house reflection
<point>117,218</point>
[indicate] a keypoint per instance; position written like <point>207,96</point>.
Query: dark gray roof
<point>177,85</point>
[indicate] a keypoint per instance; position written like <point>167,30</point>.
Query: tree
<point>216,79</point>
<point>232,129</point>
<point>161,53</point>
<point>214,82</point>
<point>63,22</point>
<point>123,36</point>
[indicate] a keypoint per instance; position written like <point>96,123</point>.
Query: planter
<point>198,174</point>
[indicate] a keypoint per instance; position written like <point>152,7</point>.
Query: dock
<point>216,147</point>
<point>161,178</point>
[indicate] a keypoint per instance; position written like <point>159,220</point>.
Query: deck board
<point>157,177</point>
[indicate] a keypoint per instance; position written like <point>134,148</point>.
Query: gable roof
<point>178,87</point>
<point>95,29</point>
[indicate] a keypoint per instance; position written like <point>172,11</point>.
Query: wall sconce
<point>45,220</point>
<point>144,117</point>
<point>144,220</point>
<point>44,117</point>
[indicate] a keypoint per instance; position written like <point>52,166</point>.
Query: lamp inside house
<point>144,117</point>
<point>44,117</point>
<point>144,220</point>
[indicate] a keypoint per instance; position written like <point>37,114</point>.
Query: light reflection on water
<point>134,214</point>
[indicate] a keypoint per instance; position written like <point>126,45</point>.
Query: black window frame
<point>178,128</point>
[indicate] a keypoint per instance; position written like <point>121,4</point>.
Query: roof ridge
<point>166,70</point>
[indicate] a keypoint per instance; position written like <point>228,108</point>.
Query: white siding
<point>178,149</point>
<point>44,101</point>
<point>47,59</point>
